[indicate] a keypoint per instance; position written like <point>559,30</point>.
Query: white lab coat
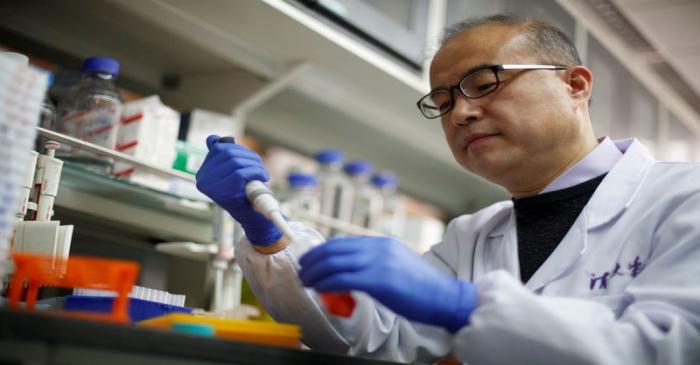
<point>623,286</point>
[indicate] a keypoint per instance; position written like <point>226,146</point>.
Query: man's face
<point>526,125</point>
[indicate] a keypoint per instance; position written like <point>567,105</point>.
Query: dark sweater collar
<point>558,196</point>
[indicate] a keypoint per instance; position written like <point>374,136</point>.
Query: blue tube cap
<point>301,179</point>
<point>360,167</point>
<point>329,156</point>
<point>101,64</point>
<point>385,179</point>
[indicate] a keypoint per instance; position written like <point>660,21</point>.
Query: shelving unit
<point>167,214</point>
<point>216,53</point>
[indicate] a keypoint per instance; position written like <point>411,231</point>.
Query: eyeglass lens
<point>474,85</point>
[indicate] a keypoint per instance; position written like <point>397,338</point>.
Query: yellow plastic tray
<point>268,333</point>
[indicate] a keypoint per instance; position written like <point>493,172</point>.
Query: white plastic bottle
<point>93,111</point>
<point>366,204</point>
<point>300,197</point>
<point>392,216</point>
<point>334,188</point>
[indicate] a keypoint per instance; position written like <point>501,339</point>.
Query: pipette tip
<point>281,223</point>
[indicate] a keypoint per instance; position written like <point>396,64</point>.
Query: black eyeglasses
<point>476,84</point>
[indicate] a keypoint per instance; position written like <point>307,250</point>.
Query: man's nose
<point>465,111</point>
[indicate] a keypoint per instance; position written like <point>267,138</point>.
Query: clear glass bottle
<point>93,111</point>
<point>366,202</point>
<point>334,188</point>
<point>300,197</point>
<point>392,215</point>
<point>48,117</point>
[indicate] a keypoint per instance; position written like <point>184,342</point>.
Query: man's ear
<point>580,82</point>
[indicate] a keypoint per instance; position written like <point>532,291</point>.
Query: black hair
<point>547,41</point>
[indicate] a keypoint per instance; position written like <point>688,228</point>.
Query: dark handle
<point>227,139</point>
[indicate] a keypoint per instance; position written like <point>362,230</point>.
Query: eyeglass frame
<point>495,69</point>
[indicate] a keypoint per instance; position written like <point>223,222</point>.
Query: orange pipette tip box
<point>339,304</point>
<point>76,272</point>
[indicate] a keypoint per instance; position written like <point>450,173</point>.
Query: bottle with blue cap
<point>335,189</point>
<point>366,204</point>
<point>300,196</point>
<point>392,214</point>
<point>93,111</point>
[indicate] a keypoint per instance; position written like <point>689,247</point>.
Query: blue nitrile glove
<point>394,275</point>
<point>223,176</point>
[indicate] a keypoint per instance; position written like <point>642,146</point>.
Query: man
<point>594,261</point>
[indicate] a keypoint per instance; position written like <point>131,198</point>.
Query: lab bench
<point>35,339</point>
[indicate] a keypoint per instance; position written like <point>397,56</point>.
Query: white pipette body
<point>264,202</point>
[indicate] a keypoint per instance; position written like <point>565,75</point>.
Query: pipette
<point>263,201</point>
<point>46,181</point>
<point>27,187</point>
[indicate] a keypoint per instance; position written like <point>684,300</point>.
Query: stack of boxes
<point>148,132</point>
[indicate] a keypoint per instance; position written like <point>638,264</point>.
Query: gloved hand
<point>223,176</point>
<point>394,275</point>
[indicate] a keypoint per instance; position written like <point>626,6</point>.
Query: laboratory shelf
<point>28,338</point>
<point>351,96</point>
<point>77,176</point>
<point>164,214</point>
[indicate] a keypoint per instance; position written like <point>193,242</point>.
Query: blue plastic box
<point>139,309</point>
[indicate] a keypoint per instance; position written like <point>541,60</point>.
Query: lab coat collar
<point>619,188</point>
<point>614,194</point>
<point>616,191</point>
<point>504,226</point>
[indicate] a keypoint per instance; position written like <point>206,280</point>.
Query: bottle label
<point>97,126</point>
